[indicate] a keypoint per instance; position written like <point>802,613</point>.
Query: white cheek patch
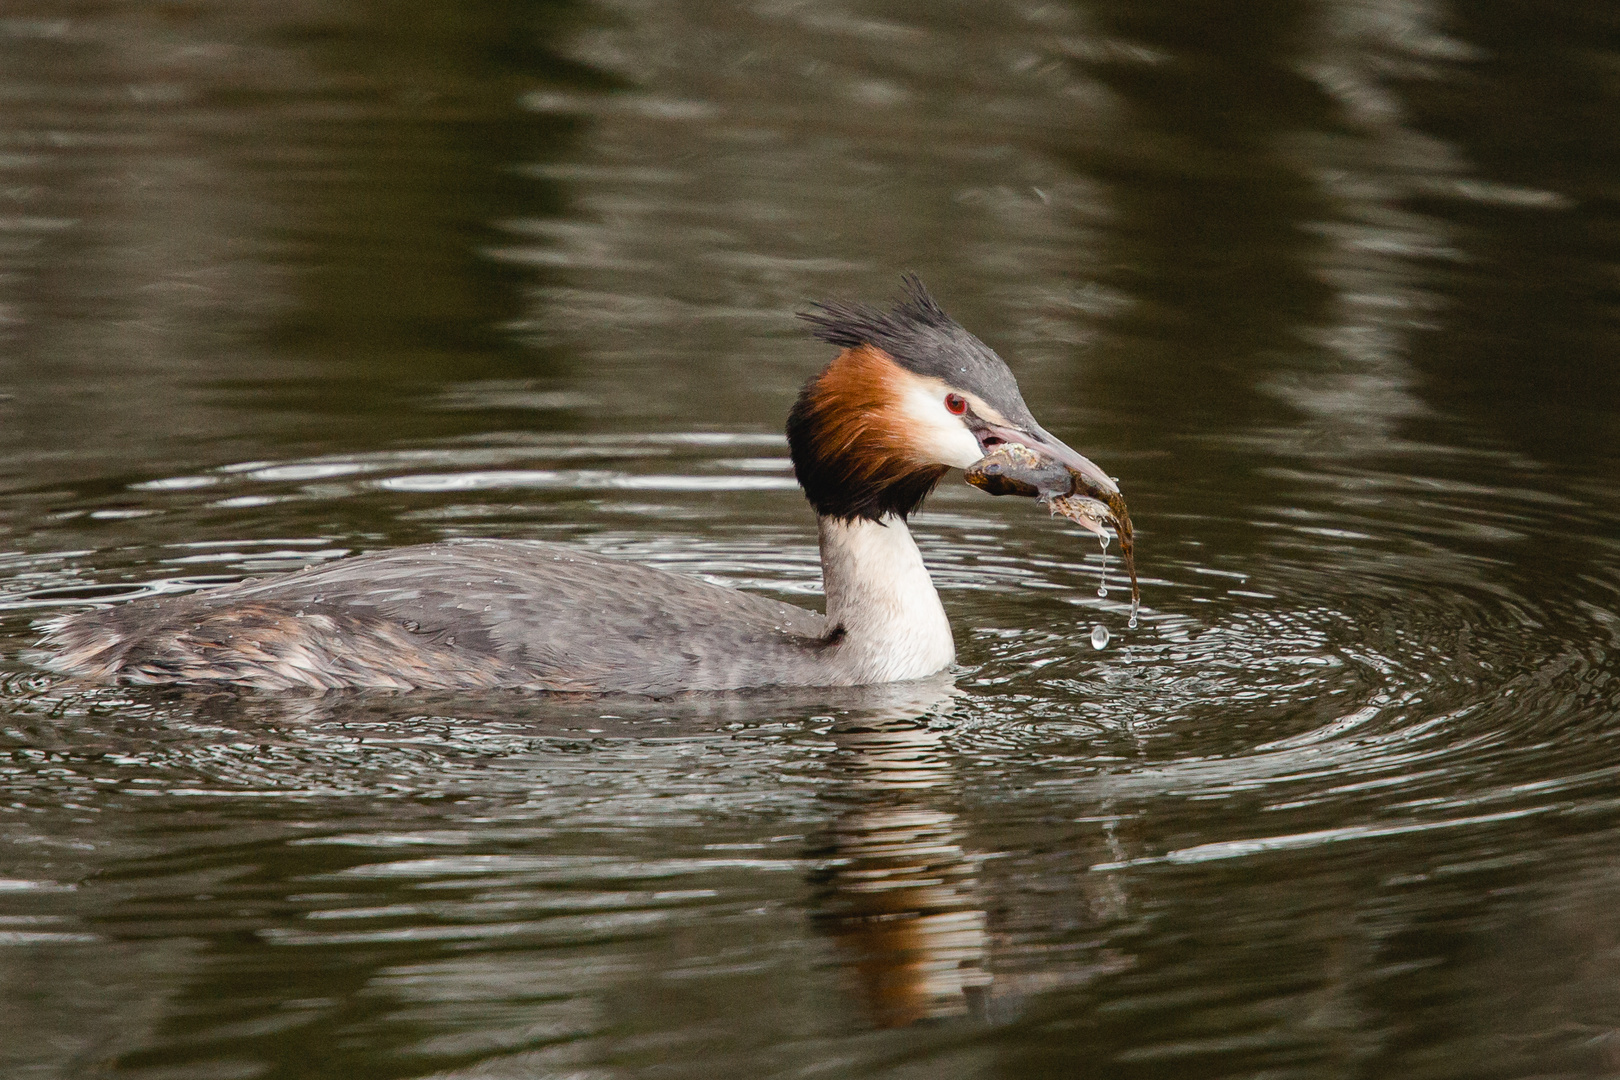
<point>934,433</point>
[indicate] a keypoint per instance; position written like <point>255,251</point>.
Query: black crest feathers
<point>920,337</point>
<point>848,325</point>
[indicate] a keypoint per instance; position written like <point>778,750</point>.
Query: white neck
<point>879,591</point>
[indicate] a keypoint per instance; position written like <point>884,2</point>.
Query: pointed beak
<point>1098,483</point>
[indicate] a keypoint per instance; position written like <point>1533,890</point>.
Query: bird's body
<point>454,615</point>
<point>911,395</point>
<point>479,614</point>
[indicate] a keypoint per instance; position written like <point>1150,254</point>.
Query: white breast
<point>879,591</point>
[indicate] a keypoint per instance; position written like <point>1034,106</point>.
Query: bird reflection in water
<point>896,887</point>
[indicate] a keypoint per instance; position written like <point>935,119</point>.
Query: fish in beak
<point>1041,467</point>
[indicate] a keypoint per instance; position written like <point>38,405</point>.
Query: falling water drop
<point>1099,636</point>
<point>1102,584</point>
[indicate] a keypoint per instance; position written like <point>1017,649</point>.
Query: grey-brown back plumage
<point>458,615</point>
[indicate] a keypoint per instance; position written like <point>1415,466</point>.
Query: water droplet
<point>1099,636</point>
<point>1136,605</point>
<point>1102,583</point>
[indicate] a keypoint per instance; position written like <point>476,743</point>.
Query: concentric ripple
<point>481,876</point>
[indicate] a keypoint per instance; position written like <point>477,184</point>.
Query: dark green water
<point>1334,289</point>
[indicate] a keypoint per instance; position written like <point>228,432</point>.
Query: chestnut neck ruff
<point>848,441</point>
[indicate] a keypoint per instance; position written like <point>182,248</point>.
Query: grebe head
<point>911,396</point>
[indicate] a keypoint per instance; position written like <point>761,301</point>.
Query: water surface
<point>1334,289</point>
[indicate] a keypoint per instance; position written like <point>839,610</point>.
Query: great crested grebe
<point>910,395</point>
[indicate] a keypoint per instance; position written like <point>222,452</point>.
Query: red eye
<point>956,403</point>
